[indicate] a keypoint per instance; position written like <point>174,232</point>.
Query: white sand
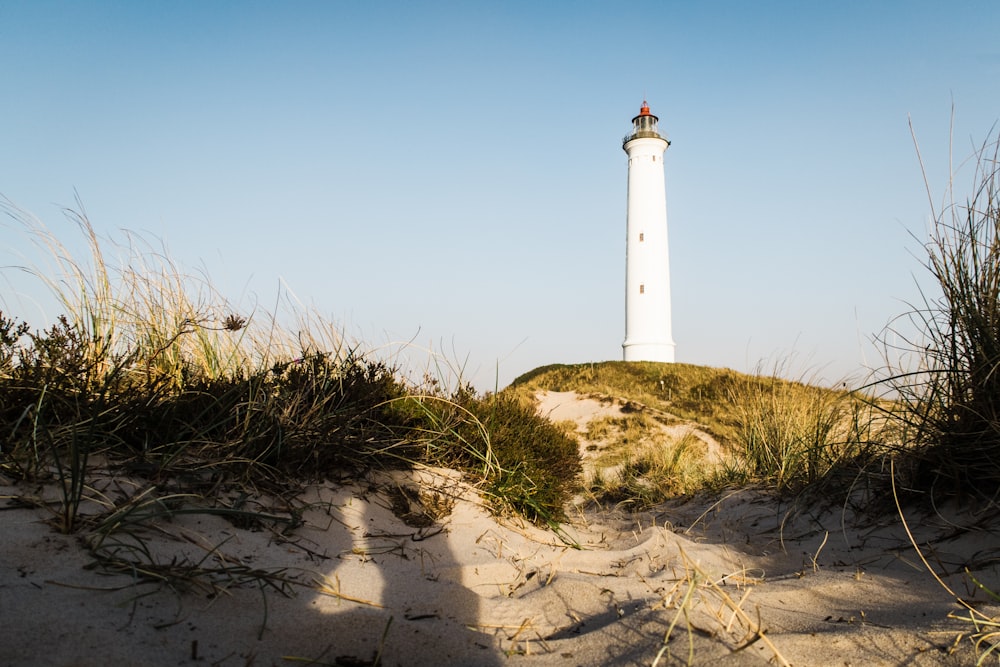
<point>827,588</point>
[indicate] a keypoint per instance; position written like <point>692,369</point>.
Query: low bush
<point>526,463</point>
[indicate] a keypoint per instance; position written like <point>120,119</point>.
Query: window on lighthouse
<point>641,237</point>
<point>642,289</point>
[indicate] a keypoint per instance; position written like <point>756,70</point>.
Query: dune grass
<point>794,434</point>
<point>650,472</point>
<point>944,377</point>
<point>949,391</point>
<point>151,372</point>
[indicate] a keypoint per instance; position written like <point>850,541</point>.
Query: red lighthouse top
<point>644,126</point>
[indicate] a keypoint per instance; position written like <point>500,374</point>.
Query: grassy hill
<point>712,397</point>
<point>778,432</point>
<point>696,393</point>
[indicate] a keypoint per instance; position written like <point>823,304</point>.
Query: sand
<point>366,577</point>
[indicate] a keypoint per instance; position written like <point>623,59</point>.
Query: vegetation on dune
<point>152,374</point>
<point>527,463</point>
<point>650,471</point>
<point>775,432</point>
<point>696,393</point>
<point>949,391</point>
<point>796,435</point>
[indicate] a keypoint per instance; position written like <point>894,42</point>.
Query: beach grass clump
<point>942,374</point>
<point>795,434</point>
<point>166,325</point>
<point>651,472</point>
<point>641,462</point>
<point>948,389</point>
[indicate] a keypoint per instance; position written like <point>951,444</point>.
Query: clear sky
<point>452,172</point>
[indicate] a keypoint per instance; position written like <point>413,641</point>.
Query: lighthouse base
<point>662,352</point>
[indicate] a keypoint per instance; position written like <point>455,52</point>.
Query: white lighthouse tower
<point>647,264</point>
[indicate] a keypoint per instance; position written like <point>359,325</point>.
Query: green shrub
<point>527,463</point>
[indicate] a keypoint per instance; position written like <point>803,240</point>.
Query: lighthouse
<point>647,264</point>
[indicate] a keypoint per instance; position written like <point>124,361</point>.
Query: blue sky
<point>452,173</point>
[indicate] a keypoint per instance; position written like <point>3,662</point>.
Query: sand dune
<point>367,577</point>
